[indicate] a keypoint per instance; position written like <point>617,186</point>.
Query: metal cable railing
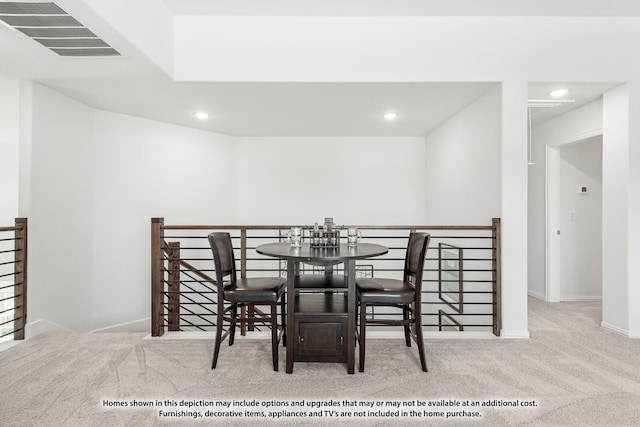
<point>461,283</point>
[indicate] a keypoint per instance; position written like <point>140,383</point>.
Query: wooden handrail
<point>197,272</point>
<point>367,227</point>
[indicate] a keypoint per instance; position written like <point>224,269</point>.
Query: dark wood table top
<point>329,255</point>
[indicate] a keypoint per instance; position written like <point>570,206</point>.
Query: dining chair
<point>404,294</point>
<point>241,292</point>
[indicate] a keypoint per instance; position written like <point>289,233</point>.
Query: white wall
<point>9,143</point>
<point>462,166</point>
<point>466,184</point>
<point>633,200</point>
<point>513,209</point>
<point>354,180</point>
<point>59,208</point>
<point>512,50</point>
<point>581,221</point>
<point>507,49</point>
<point>615,215</point>
<point>97,179</point>
<point>404,48</point>
<point>144,169</point>
<point>91,220</point>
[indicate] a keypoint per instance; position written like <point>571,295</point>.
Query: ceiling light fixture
<point>202,115</point>
<point>558,93</point>
<point>390,116</point>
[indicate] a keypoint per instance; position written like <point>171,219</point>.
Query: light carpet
<point>575,372</point>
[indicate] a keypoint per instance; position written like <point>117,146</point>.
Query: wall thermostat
<point>583,189</point>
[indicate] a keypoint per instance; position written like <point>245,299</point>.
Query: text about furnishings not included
<point>449,409</point>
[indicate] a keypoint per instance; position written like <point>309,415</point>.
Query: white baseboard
<point>569,298</point>
<point>616,329</point>
<point>537,295</point>
<point>442,335</point>
<point>8,343</point>
<point>580,298</point>
<point>210,335</point>
<point>141,325</point>
<point>41,326</point>
<point>514,334</point>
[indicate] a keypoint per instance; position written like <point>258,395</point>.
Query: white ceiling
<point>281,109</point>
<point>579,93</point>
<point>134,85</point>
<point>405,7</point>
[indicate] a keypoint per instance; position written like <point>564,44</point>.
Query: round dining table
<point>322,256</point>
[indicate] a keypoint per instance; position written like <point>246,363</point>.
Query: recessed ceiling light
<point>202,115</point>
<point>558,93</point>
<point>391,116</point>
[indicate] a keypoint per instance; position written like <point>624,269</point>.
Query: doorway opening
<point>574,219</point>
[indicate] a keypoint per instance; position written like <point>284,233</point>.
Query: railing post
<point>157,255</point>
<point>243,253</point>
<point>497,277</point>
<point>243,274</point>
<point>20,278</point>
<point>173,286</point>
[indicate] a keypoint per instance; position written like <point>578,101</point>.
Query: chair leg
<point>234,316</point>
<point>417,319</point>
<point>283,317</point>
<point>407,328</point>
<point>274,335</point>
<point>216,349</point>
<point>363,322</point>
<point>420,340</point>
<point>357,331</point>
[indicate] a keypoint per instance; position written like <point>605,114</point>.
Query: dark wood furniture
<point>405,294</point>
<point>241,292</point>
<point>322,325</point>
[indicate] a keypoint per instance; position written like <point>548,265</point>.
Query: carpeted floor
<point>571,370</point>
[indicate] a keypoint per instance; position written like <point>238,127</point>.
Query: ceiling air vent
<point>52,27</point>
